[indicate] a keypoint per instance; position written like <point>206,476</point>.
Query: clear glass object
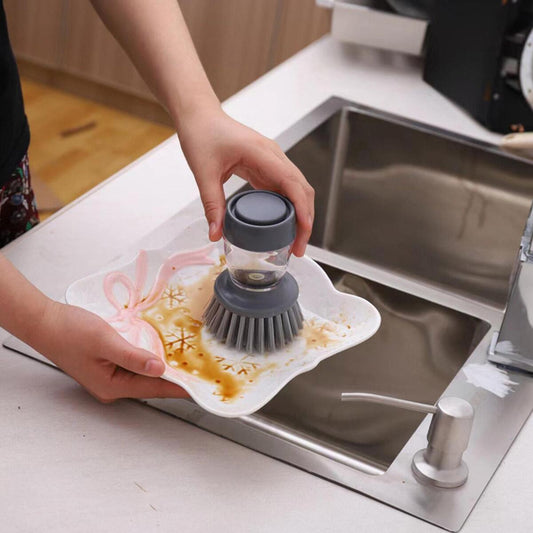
<point>256,270</point>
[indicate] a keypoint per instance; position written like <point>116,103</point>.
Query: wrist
<point>43,330</point>
<point>189,112</point>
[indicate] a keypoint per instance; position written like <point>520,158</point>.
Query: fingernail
<point>154,366</point>
<point>310,220</point>
<point>212,229</point>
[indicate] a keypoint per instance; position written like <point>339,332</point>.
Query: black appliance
<point>480,55</point>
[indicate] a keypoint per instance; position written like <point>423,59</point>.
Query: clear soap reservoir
<point>259,229</point>
<point>256,269</point>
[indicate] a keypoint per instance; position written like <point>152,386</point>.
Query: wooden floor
<point>76,143</point>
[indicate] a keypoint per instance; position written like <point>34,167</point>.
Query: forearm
<point>156,38</point>
<point>22,305</point>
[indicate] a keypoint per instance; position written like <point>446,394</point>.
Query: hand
<point>98,358</point>
<point>216,146</point>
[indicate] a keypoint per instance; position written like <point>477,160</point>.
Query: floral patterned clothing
<point>18,211</point>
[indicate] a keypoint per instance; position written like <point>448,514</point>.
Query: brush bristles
<point>253,334</point>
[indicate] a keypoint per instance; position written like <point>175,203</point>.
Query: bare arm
<point>83,345</point>
<point>155,36</point>
<point>23,306</point>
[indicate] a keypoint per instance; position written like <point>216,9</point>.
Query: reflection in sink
<point>423,205</point>
<point>417,351</point>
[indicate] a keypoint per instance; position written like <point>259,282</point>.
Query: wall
<point>64,43</point>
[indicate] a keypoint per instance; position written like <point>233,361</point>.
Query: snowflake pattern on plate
<point>174,296</point>
<point>180,340</point>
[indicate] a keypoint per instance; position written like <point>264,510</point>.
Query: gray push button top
<point>260,221</point>
<point>261,208</point>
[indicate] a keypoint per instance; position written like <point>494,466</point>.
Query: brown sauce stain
<point>318,335</point>
<point>176,316</point>
<point>199,294</point>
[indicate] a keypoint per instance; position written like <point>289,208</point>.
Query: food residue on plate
<point>171,316</point>
<point>176,316</point>
<point>318,334</point>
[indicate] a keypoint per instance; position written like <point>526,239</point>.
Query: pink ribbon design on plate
<point>127,316</point>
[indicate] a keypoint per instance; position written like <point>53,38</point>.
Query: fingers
<point>124,384</point>
<point>120,352</point>
<point>124,371</point>
<point>303,201</point>
<point>127,385</point>
<point>212,195</point>
<point>271,169</point>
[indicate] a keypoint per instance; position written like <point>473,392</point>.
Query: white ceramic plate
<point>156,302</point>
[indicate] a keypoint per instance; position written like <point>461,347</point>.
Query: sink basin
<point>443,210</point>
<point>418,350</point>
<point>426,225</point>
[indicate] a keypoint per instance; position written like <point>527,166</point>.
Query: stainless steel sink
<point>419,349</point>
<point>426,225</point>
<point>435,207</point>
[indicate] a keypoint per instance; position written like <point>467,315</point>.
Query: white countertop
<point>72,464</point>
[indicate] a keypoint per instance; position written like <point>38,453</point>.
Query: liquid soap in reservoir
<point>260,270</point>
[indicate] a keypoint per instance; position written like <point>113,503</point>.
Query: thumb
<point>212,195</point>
<point>119,351</point>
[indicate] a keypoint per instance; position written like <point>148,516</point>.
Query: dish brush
<point>255,303</point>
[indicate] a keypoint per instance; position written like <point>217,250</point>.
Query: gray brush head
<point>254,320</point>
